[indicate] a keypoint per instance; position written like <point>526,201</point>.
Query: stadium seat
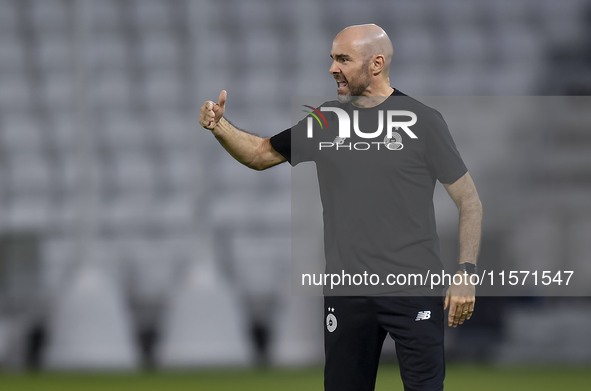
<point>21,133</point>
<point>65,215</point>
<point>534,244</point>
<point>204,324</point>
<point>125,214</point>
<point>416,46</point>
<point>57,91</point>
<point>180,171</point>
<point>53,52</point>
<point>507,11</point>
<point>133,172</point>
<point>518,44</point>
<point>408,13</point>
<point>171,130</point>
<point>456,12</point>
<point>90,328</point>
<point>62,131</point>
<point>152,14</point>
<point>13,55</point>
<point>49,15</point>
<point>245,14</point>
<point>162,90</point>
<point>15,92</point>
<point>106,15</point>
<point>28,212</point>
<point>113,90</point>
<point>175,213</point>
<point>219,48</point>
<point>261,262</point>
<point>8,18</point>
<point>260,48</point>
<point>120,130</point>
<point>158,49</point>
<point>296,341</point>
<point>232,175</point>
<point>262,85</point>
<point>110,51</point>
<point>580,237</point>
<point>513,79</point>
<point>151,273</point>
<point>457,81</point>
<point>58,256</point>
<point>29,174</point>
<point>467,44</point>
<point>250,210</point>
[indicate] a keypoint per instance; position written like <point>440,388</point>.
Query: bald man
<point>377,196</point>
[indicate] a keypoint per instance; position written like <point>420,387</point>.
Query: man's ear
<point>377,64</point>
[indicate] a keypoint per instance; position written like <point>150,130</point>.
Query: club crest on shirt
<point>331,321</point>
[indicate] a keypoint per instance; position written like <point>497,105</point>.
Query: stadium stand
<point>155,179</point>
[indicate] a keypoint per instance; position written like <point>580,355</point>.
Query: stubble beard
<point>355,89</point>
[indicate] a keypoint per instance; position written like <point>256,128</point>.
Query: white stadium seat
<point>21,133</point>
<point>134,171</point>
<point>30,174</point>
<point>57,90</point>
<point>13,53</point>
<point>159,50</point>
<point>15,92</point>
<point>119,130</point>
<point>162,90</point>
<point>112,90</point>
<point>54,51</point>
<point>50,15</point>
<point>109,50</point>
<point>152,14</point>
<point>8,18</point>
<point>106,14</point>
<point>28,213</point>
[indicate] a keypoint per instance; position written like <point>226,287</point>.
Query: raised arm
<point>251,150</point>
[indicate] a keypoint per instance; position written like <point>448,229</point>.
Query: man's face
<point>350,70</point>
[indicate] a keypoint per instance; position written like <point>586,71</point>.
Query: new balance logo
<point>423,315</point>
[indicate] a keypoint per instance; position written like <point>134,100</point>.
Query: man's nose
<point>334,69</point>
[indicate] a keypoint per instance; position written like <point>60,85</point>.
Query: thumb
<point>446,301</point>
<point>222,98</point>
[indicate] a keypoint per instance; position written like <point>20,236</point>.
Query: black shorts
<point>355,329</point>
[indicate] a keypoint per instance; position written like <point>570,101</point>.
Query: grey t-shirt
<point>377,194</point>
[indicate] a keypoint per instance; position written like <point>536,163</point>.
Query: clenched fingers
<point>207,115</point>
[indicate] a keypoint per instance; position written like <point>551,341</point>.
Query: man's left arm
<point>460,298</point>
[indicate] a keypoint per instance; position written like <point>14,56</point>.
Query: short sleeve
<point>281,143</point>
<point>443,158</point>
<point>293,144</point>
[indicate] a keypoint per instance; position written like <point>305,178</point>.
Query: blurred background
<point>129,239</point>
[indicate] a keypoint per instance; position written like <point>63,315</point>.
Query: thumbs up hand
<point>211,112</point>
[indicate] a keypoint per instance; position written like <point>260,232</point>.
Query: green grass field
<point>459,378</point>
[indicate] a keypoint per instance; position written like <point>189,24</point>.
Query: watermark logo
<point>314,113</point>
<point>392,140</point>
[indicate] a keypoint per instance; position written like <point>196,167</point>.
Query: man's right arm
<point>253,151</point>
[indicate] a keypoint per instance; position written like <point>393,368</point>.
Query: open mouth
<point>342,84</point>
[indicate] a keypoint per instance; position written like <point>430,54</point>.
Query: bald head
<point>369,40</point>
<point>361,62</point>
